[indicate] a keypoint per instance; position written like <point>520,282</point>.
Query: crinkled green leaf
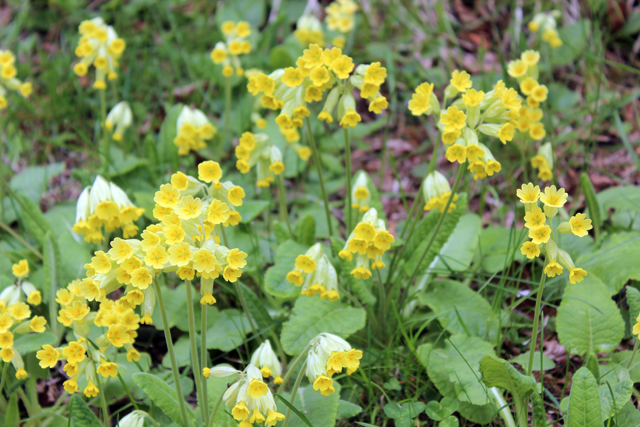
<point>628,416</point>
<point>498,247</point>
<point>33,181</point>
<point>588,320</point>
<point>347,409</point>
<point>305,230</point>
<point>81,415</point>
<point>321,411</point>
<point>621,205</point>
<point>29,343</point>
<point>458,251</point>
<point>523,360</point>
<point>229,330</point>
<point>162,395</point>
<point>584,405</point>
<point>611,405</point>
<point>250,209</point>
<point>403,414</point>
<point>311,315</point>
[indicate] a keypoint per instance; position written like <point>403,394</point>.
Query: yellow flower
<point>19,310</point>
<point>257,389</point>
<point>342,66</point>
<point>6,340</point>
<point>21,374</point>
<point>70,386</point>
<point>553,268</point>
<point>536,131</point>
<point>305,263</point>
<point>91,390</point>
<point>351,119</point>
<point>553,197</point>
<point>530,57</point>
<point>579,225</point>
<point>528,85</point>
<point>273,417</point>
<point>375,74</point>
<point>236,258</point>
<point>461,80</point>
<point>168,195</point>
<point>577,275</point>
<point>540,92</point>
<point>534,218</point>
<point>188,207</point>
<point>21,269</point>
<point>34,298</point>
<point>5,322</point>
<point>530,250</point>
<point>505,133</point>
<point>209,171</point>
<point>377,105</point>
<point>517,68</point>
<point>456,153</point>
<point>313,57</point>
<point>472,98</point>
<point>319,76</point>
<point>540,234</point>
<point>118,336</point>
<point>141,278</point>
<point>108,369</point>
<point>528,193</point>
<point>74,353</point>
<point>292,77</point>
<point>37,324</point>
<point>324,385</point>
<point>240,411</point>
<point>6,354</point>
<point>454,119</point>
<point>156,257</point>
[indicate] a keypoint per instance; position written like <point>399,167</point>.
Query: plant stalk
<point>347,162</point>
<point>284,213</point>
<point>172,355</point>
<point>534,331</point>
<point>292,367</point>
<point>294,391</point>
<point>227,109</point>
<point>197,373</point>
<point>215,410</point>
<point>633,355</point>
<point>316,160</point>
<point>243,303</point>
<point>203,358</point>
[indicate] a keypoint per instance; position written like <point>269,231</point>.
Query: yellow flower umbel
<point>436,191</point>
<point>193,129</point>
<point>315,273</point>
<point>227,53</point>
<point>104,204</point>
<point>360,194</point>
<point>539,222</point>
<point>328,355</point>
<point>543,162</point>
<point>119,117</point>
<point>250,401</point>
<point>265,359</point>
<point>545,24</point>
<point>368,241</point>
<point>318,71</point>
<point>100,46</point>
<point>309,30</point>
<point>341,15</point>
<point>8,80</point>
<point>257,150</point>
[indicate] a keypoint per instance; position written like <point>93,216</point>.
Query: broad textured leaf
<point>250,209</point>
<point>461,310</point>
<point>621,358</point>
<point>574,41</point>
<point>438,411</point>
<point>403,414</point>
<point>34,180</point>
<point>457,253</point>
<point>275,280</point>
<point>584,405</point>
<point>182,351</point>
<point>611,262</point>
<point>321,411</point>
<point>29,343</point>
<point>216,387</point>
<point>229,329</point>
<point>33,218</point>
<point>347,409</point>
<point>621,395</point>
<point>126,369</point>
<point>523,360</point>
<point>588,319</point>
<point>162,395</point>
<point>624,202</point>
<point>305,230</point>
<point>449,224</point>
<point>456,371</point>
<point>122,163</point>
<point>311,315</point>
<point>628,416</point>
<point>449,422</point>
<point>498,246</point>
<point>81,415</point>
<point>633,299</point>
<point>256,308</point>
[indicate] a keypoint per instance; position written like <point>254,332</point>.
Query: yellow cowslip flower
<point>258,150</point>
<point>530,57</point>
<point>100,46</point>
<point>516,68</point>
<point>37,324</point>
<point>48,356</point>
<point>8,80</point>
<point>534,218</point>
<point>530,250</point>
<point>453,119</point>
<point>553,268</point>
<point>120,116</point>
<point>309,30</point>
<point>227,53</point>
<point>545,23</point>
<point>540,234</point>
<point>21,269</point>
<point>194,128</point>
<point>579,225</point>
<point>528,85</point>
<point>461,80</point>
<point>74,352</point>
<point>329,355</point>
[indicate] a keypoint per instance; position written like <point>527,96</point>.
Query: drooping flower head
<point>8,79</point>
<point>328,355</point>
<point>193,130</point>
<point>227,53</point>
<point>315,273</point>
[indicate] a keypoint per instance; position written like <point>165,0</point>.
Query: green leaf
<point>523,360</point>
<point>574,38</point>
<point>126,369</point>
<point>610,263</point>
<point>461,310</point>
<point>81,415</point>
<point>624,202</point>
<point>167,150</point>
<point>628,416</point>
<point>12,414</point>
<point>455,370</point>
<point>611,405</point>
<point>33,181</point>
<point>584,405</point>
<point>347,409</point>
<point>51,260</point>
<point>281,57</point>
<point>449,224</point>
<point>499,373</point>
<point>591,200</point>
<point>162,395</point>
<point>215,388</point>
<point>438,411</point>
<point>32,342</point>
<point>250,209</point>
<point>498,246</point>
<point>229,330</point>
<point>310,316</point>
<point>457,253</point>
<point>33,219</point>
<point>121,164</point>
<point>403,414</point>
<point>621,359</point>
<point>275,280</point>
<point>256,308</point>
<point>321,411</point>
<point>633,299</point>
<point>588,319</point>
<point>305,230</point>
<point>449,422</point>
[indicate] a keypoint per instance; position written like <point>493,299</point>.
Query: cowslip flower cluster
<point>249,398</point>
<point>315,273</point>
<point>317,71</point>
<point>99,45</point>
<point>257,150</point>
<point>436,191</point>
<point>193,129</point>
<point>542,233</point>
<point>368,241</point>
<point>546,23</point>
<point>329,354</point>
<point>543,162</point>
<point>309,30</point>
<point>341,15</point>
<point>119,117</point>
<point>227,52</point>
<point>104,204</point>
<point>8,80</point>
<point>265,359</point>
<point>360,194</point>
<point>15,316</point>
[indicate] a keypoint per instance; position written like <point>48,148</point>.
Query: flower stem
<point>172,356</point>
<point>456,184</point>
<point>203,358</point>
<point>103,401</point>
<point>347,163</point>
<point>633,355</point>
<point>294,391</point>
<point>534,331</point>
<point>243,303</point>
<point>292,367</point>
<point>215,410</point>
<point>316,160</point>
<point>284,213</point>
<point>227,109</point>
<point>103,131</point>
<point>197,373</point>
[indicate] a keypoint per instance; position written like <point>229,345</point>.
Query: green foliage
<point>310,316</point>
<point>584,406</point>
<point>592,201</point>
<point>275,280</point>
<point>523,360</point>
<point>624,202</point>
<point>305,230</point>
<point>162,395</point>
<point>438,411</point>
<point>402,415</point>
<point>499,247</point>
<point>457,253</point>
<point>588,320</point>
<point>321,411</point>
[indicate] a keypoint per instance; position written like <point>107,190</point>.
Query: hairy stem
<point>197,373</point>
<point>316,160</point>
<point>284,213</point>
<point>347,162</point>
<point>534,331</point>
<point>294,391</point>
<point>302,355</point>
<point>203,359</point>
